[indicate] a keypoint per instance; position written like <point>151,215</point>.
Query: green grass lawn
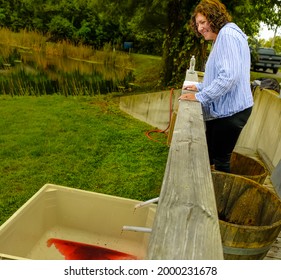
<point>257,75</point>
<point>147,70</point>
<point>82,142</point>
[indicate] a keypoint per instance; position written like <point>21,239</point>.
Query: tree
<point>246,14</point>
<point>60,28</point>
<point>154,26</point>
<point>2,17</point>
<point>268,44</point>
<point>275,21</point>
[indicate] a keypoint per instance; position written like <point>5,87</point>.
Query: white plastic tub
<point>58,212</point>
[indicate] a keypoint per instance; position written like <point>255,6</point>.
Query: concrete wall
<point>262,132</point>
<point>152,108</point>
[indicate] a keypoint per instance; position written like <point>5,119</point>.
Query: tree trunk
<point>169,49</point>
<point>180,44</point>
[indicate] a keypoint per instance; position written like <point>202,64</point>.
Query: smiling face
<point>204,28</point>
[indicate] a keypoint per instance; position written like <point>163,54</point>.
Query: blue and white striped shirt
<point>226,89</point>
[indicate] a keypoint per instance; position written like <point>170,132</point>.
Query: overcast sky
<point>265,33</point>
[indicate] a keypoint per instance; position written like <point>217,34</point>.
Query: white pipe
<point>138,229</point>
<point>146,202</point>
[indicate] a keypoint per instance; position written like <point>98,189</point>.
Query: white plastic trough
<point>58,212</point>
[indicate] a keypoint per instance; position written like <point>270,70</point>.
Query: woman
<point>225,92</point>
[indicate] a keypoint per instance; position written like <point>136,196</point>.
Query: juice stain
<point>81,251</point>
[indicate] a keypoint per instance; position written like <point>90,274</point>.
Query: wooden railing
<point>186,225</point>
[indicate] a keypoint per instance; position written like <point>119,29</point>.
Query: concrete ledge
<point>262,133</point>
<point>152,108</point>
<point>263,130</point>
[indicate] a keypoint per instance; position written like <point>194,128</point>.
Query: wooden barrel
<point>249,216</point>
<point>248,167</point>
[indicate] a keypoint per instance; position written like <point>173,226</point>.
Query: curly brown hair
<point>214,11</point>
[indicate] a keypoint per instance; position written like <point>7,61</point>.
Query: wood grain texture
<point>250,216</point>
<point>275,251</point>
<point>186,224</point>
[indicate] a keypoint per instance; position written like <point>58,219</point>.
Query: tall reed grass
<point>61,68</point>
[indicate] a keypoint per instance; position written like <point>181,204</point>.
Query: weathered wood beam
<point>186,225</point>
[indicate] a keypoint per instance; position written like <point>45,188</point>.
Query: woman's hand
<point>190,87</point>
<point>188,96</point>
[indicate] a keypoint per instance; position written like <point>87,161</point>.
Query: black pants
<point>222,135</point>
